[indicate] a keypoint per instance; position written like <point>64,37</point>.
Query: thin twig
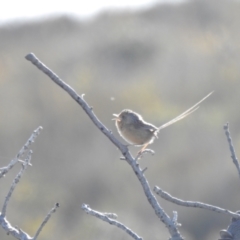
<point>109,220</point>
<point>168,197</point>
<point>175,219</point>
<point>173,230</point>
<point>15,182</point>
<point>53,210</point>
<point>111,215</point>
<point>233,154</point>
<point>15,232</point>
<point>21,153</point>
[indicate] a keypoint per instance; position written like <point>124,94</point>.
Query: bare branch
<point>79,99</point>
<point>123,148</point>
<point>21,153</point>
<point>175,219</point>
<point>178,201</point>
<point>16,232</point>
<point>111,215</point>
<point>53,210</point>
<point>233,154</point>
<point>15,182</point>
<point>109,220</point>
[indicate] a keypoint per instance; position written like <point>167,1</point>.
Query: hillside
<point>158,62</point>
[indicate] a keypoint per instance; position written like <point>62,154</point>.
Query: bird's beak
<point>116,117</point>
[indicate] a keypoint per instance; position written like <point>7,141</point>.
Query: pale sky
<point>25,9</point>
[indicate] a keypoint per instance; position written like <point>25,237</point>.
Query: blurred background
<point>158,59</point>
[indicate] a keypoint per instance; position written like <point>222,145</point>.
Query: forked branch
<point>6,225</point>
<point>169,223</point>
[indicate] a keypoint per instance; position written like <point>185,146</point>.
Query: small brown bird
<point>136,131</point>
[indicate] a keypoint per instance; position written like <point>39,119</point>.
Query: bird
<point>136,131</point>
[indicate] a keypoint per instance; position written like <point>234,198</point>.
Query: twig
<point>175,219</point>
<point>16,232</point>
<point>110,215</point>
<point>172,228</point>
<point>109,220</point>
<point>53,210</point>
<point>178,201</point>
<point>15,182</point>
<point>233,154</point>
<point>20,154</point>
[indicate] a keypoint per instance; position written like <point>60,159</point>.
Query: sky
<point>15,10</point>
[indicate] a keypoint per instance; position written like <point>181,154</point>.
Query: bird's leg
<point>143,148</point>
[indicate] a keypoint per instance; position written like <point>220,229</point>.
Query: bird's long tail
<point>184,114</point>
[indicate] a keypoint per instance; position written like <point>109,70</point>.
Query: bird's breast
<point>136,136</point>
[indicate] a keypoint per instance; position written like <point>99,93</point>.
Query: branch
<point>16,232</point>
<point>106,218</point>
<point>15,182</point>
<point>180,202</point>
<point>53,210</point>
<point>21,153</point>
<point>233,156</point>
<point>172,228</point>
